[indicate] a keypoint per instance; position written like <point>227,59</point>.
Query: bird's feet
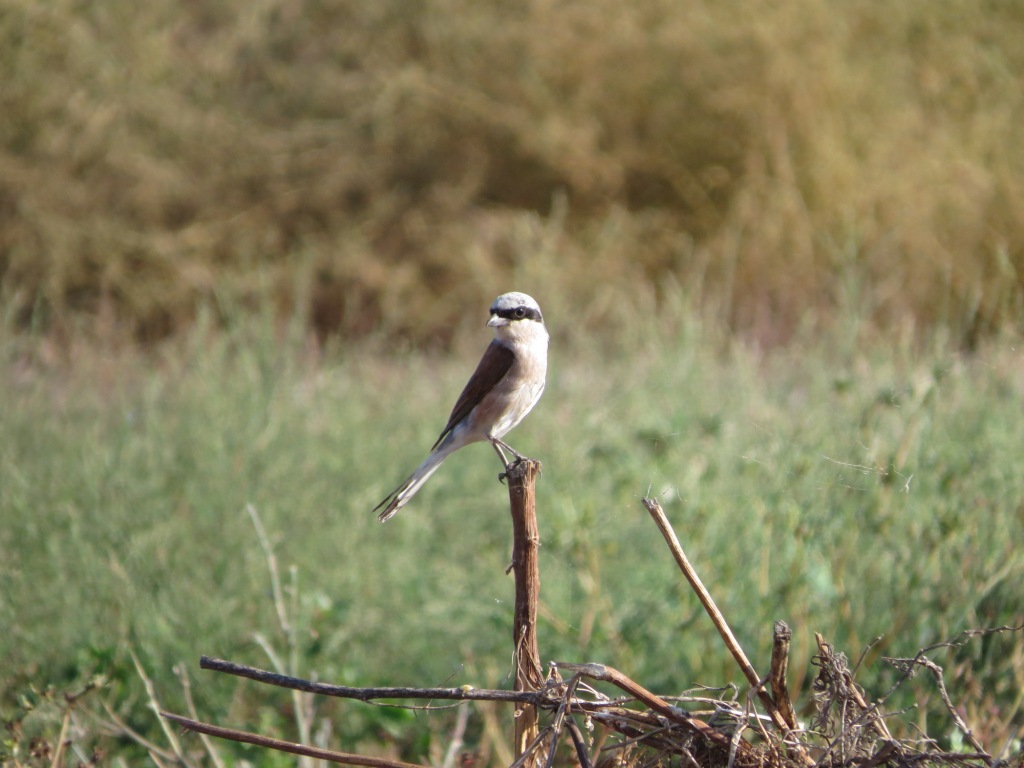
<point>509,467</point>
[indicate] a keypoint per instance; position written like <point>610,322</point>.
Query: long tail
<point>401,496</point>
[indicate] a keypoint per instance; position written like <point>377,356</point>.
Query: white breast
<point>524,384</point>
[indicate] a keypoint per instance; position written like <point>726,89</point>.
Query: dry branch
<point>465,693</point>
<point>854,734</point>
<point>782,634</point>
<point>660,519</point>
<point>849,732</point>
<point>836,689</point>
<point>676,715</point>
<point>525,540</point>
<point>280,745</point>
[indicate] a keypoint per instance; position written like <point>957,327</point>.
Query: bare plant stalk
<point>186,685</point>
<point>522,477</point>
<point>658,514</point>
<point>172,738</point>
<point>678,716</point>
<point>466,693</point>
<point>280,745</point>
<point>777,672</point>
<point>459,732</point>
<point>827,660</point>
<point>287,621</point>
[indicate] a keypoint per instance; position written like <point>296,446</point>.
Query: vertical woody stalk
<point>525,540</point>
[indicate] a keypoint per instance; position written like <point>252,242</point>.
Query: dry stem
<point>525,540</point>
<point>658,514</point>
<point>465,693</point>
<point>285,746</point>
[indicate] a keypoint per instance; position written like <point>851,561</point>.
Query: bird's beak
<point>496,321</point>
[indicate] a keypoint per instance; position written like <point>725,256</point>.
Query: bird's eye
<point>520,313</point>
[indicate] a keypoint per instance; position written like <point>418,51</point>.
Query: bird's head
<point>516,315</point>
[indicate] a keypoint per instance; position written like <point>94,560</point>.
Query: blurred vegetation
<point>378,163</point>
<point>223,180</point>
<point>860,490</point>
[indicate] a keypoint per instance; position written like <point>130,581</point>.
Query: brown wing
<point>495,363</point>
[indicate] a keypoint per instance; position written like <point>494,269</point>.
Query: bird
<point>506,385</point>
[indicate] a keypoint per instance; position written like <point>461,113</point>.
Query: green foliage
<point>854,490</point>
<point>769,157</point>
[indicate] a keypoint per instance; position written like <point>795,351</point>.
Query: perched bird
<point>505,386</point>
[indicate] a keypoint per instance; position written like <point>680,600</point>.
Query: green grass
<point>857,490</point>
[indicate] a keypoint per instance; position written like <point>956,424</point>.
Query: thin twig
<point>275,577</point>
<point>465,693</point>
<point>560,715</point>
<point>186,686</point>
<point>960,723</point>
<point>284,746</point>
<point>58,753</point>
<point>457,735</point>
<point>680,717</point>
<point>288,621</point>
<point>578,742</point>
<point>661,520</point>
<point>529,749</point>
<point>836,667</point>
<point>119,727</point>
<point>155,706</point>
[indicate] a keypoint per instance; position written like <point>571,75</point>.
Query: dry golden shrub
<point>374,164</point>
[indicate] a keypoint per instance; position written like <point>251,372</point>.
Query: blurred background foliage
<point>372,164</point>
<point>693,181</point>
